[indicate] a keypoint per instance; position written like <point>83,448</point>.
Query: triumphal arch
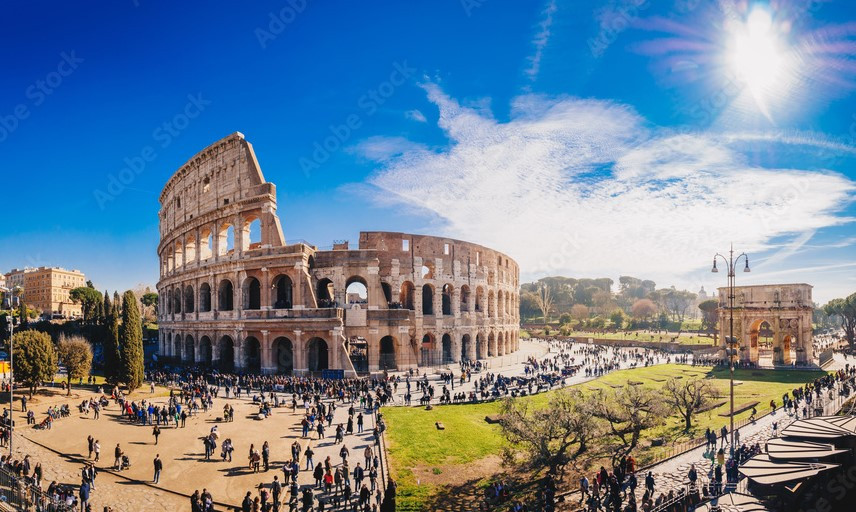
<point>780,313</point>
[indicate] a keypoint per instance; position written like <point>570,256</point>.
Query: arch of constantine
<point>234,294</point>
<point>781,313</point>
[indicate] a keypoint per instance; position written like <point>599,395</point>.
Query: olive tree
<point>76,354</point>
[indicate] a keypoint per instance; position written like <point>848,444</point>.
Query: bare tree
<point>580,313</point>
<point>548,435</point>
<point>628,411</point>
<point>544,299</point>
<point>689,397</point>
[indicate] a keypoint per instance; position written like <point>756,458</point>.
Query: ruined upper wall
<point>222,174</point>
<point>405,247</point>
<point>770,295</point>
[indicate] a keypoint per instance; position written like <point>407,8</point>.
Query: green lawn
<point>683,339</point>
<point>413,439</point>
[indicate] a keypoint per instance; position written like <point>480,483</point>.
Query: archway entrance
<point>447,349</point>
<point>227,354</point>
<point>465,347</point>
<point>387,353</point>
<point>317,353</point>
<point>427,351</point>
<point>189,350</point>
<point>205,355</point>
<point>284,351</point>
<point>252,355</point>
<point>480,346</point>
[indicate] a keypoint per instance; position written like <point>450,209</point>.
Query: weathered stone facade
<point>234,294</point>
<point>787,308</point>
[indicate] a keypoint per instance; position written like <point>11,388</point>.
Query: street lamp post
<point>731,341</point>
<point>11,379</point>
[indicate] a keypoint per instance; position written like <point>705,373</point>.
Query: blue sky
<point>582,138</point>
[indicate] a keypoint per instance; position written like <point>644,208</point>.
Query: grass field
<point>683,339</point>
<point>414,442</point>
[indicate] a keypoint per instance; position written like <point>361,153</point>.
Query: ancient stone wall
<point>234,295</point>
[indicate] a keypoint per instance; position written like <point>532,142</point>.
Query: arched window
<point>204,298</point>
<point>282,292</point>
<point>252,293</point>
<point>252,355</point>
<point>188,299</point>
<point>284,351</point>
<point>447,299</point>
<point>465,298</point>
<point>206,243</point>
<point>251,233</point>
<point>227,354</point>
<point>176,300</point>
<point>326,294</point>
<point>356,291</point>
<point>406,295</point>
<point>225,296</point>
<point>225,239</point>
<point>427,300</point>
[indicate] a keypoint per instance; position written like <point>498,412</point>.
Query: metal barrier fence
<point>21,494</point>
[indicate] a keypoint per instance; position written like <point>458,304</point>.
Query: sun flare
<point>759,58</point>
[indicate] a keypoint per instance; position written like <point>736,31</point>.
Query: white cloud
<point>415,115</point>
<point>384,148</point>
<point>540,40</point>
<point>585,187</point>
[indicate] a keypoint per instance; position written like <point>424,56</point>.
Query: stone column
<point>373,353</point>
<point>267,365</point>
<point>301,363</point>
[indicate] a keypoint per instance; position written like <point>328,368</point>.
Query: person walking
<point>118,453</point>
<point>158,464</point>
<point>97,448</point>
<point>156,432</point>
<point>91,442</point>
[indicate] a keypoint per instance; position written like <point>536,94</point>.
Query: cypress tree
<point>22,312</point>
<point>131,342</point>
<point>108,308</point>
<point>112,354</point>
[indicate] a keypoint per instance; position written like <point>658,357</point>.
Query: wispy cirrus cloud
<point>415,115</point>
<point>540,40</point>
<point>589,187</point>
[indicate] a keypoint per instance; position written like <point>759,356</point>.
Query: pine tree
<point>112,352</point>
<point>131,342</point>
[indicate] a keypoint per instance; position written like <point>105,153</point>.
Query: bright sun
<point>758,57</point>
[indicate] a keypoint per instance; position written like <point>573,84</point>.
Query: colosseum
<point>235,295</point>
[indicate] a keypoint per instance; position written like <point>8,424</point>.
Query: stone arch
<point>465,347</point>
<point>188,299</point>
<point>326,293</point>
<point>480,305</point>
<point>491,345</point>
<point>500,303</point>
<point>386,288</point>
<point>426,349</point>
<point>190,249</point>
<point>225,239</point>
<point>284,352</point>
<point>447,292</point>
<point>179,254</point>
<point>189,350</point>
<point>282,292</point>
<point>317,354</point>
<point>356,290</point>
<point>387,353</point>
<point>447,348</point>
<point>176,346</point>
<point>206,243</point>
<point>176,301</point>
<point>226,351</point>
<point>465,299</point>
<point>204,298</point>
<point>252,350</point>
<point>500,344</point>
<point>225,296</point>
<point>206,353</point>
<point>481,346</point>
<point>427,299</point>
<point>491,304</point>
<point>407,295</point>
<point>251,232</point>
<point>252,293</point>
